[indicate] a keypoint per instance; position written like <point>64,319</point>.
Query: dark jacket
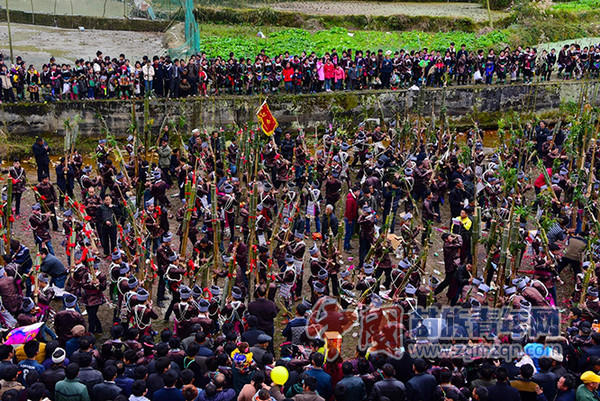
<point>52,266</point>
<point>168,394</point>
<point>64,321</point>
<point>90,377</point>
<point>40,153</point>
<point>23,258</point>
<point>328,220</point>
<point>105,391</point>
<point>462,276</point>
<point>225,395</point>
<point>47,193</point>
<point>265,311</point>
<point>40,226</point>
<point>355,388</point>
<point>106,213</point>
<point>251,336</point>
<point>565,396</point>
<point>456,199</point>
<point>65,177</point>
<point>93,292</point>
<point>420,387</point>
<point>391,388</point>
<point>451,254</point>
<point>155,382</point>
<point>428,211</point>
<point>51,376</point>
<point>323,381</point>
<point>503,392</point>
<point>547,381</point>
<point>124,383</point>
<point>9,294</point>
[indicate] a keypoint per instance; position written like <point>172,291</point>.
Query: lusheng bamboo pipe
<point>475,237</point>
<point>502,263</point>
<point>491,245</point>
<point>8,213</point>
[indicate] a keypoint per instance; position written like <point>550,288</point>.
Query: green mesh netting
<point>192,31</point>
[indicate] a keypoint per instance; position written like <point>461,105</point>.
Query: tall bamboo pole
<point>9,32</point>
<point>215,226</point>
<point>190,202</point>
<point>8,213</point>
<point>476,237</point>
<point>502,263</point>
<point>490,14</point>
<point>252,228</point>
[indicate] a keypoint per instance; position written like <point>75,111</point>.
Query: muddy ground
<point>36,44</point>
<point>460,10</point>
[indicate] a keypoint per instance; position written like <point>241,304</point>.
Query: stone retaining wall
<point>485,104</point>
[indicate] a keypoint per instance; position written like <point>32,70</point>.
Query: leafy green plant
<point>220,42</point>
<point>579,5</point>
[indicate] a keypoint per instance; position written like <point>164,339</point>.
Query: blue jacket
<point>225,395</point>
<point>52,266</point>
<point>503,392</point>
<point>28,365</point>
<point>71,346</point>
<point>168,394</point>
<point>323,381</point>
<point>124,383</point>
<point>547,381</point>
<point>565,396</point>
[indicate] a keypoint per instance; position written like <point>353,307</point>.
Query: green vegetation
<point>226,30</point>
<point>243,41</point>
<point>579,5</point>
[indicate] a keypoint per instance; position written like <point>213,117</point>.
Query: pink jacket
<point>320,71</point>
<point>339,74</point>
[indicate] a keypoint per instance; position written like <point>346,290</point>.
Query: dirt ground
<point>114,9</point>
<point>36,44</point>
<point>469,10</point>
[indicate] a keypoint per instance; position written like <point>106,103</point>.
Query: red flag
<point>267,121</point>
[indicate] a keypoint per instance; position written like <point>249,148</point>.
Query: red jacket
<point>351,207</point>
<point>329,71</point>
<point>541,180</point>
<point>288,74</point>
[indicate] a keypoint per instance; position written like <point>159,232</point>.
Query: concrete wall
<point>89,22</point>
<point>485,104</point>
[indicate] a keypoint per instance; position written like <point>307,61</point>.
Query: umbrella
<point>21,335</point>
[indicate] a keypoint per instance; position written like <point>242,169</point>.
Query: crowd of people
<point>198,273</point>
<point>105,77</point>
